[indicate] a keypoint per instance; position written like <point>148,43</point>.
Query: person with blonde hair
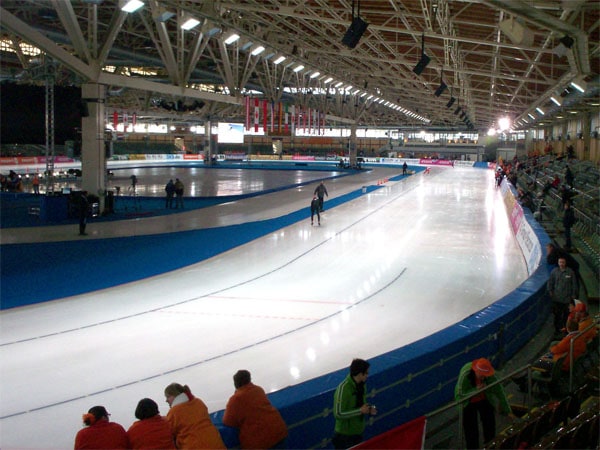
<point>189,420</point>
<point>100,432</point>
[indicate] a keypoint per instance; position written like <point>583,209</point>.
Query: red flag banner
<point>265,117</point>
<point>134,119</point>
<point>256,115</point>
<point>247,107</point>
<point>410,436</point>
<point>115,119</point>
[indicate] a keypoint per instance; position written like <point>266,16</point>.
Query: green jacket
<point>465,386</point>
<point>348,418</point>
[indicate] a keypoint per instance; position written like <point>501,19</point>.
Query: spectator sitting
<point>100,432</point>
<point>585,321</point>
<point>151,431</point>
<point>248,409</point>
<point>562,348</point>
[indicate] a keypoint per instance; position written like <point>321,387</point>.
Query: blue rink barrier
<point>414,380</point>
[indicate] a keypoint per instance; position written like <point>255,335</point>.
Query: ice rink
<point>394,265</point>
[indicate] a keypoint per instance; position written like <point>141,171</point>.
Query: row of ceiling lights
<point>189,22</point>
<point>578,83</point>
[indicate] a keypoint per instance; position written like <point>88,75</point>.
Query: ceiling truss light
<point>540,110</point>
<point>162,15</point>
<point>231,38</point>
<point>298,68</point>
<point>130,6</point>
<point>556,101</point>
<point>315,74</point>
<point>258,50</point>
<point>531,116</point>
<point>188,22</point>
<point>279,59</point>
<point>579,84</point>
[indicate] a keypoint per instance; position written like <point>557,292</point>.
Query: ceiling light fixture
<point>579,84</point>
<point>298,68</point>
<point>279,59</point>
<point>257,51</point>
<point>188,22</point>
<point>231,38</point>
<point>130,6</point>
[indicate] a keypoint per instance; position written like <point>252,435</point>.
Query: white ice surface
<point>382,271</point>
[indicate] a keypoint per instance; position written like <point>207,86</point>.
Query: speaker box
<point>516,32</point>
<point>450,102</point>
<point>440,89</point>
<point>421,64</point>
<point>355,32</point>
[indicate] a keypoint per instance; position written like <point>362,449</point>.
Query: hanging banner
<point>134,119</point>
<point>287,127</point>
<point>247,108</point>
<point>256,115</point>
<point>265,116</point>
<point>115,119</point>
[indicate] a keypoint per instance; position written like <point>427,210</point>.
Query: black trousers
<point>343,441</point>
<point>321,203</point>
<point>486,413</point>
<point>560,311</point>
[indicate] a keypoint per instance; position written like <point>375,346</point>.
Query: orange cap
<point>483,367</point>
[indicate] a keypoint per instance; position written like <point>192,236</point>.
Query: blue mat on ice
<point>34,273</point>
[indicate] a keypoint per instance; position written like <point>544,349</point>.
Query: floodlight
<point>279,59</point>
<point>556,101</point>
<point>189,22</point>
<point>579,84</point>
<point>257,50</point>
<point>231,38</point>
<point>298,68</point>
<point>130,6</point>
<point>162,15</point>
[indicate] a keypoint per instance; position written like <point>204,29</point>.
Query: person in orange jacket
<point>100,433</point>
<point>189,420</point>
<point>151,431</point>
<point>260,424</point>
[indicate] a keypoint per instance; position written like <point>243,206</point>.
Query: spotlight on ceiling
<point>440,89</point>
<point>457,110</point>
<point>418,69</point>
<point>450,102</point>
<point>354,32</point>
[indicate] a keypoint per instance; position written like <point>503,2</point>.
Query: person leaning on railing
<point>474,376</point>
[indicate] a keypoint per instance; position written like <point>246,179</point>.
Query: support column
<point>208,150</point>
<point>93,157</point>
<point>352,150</point>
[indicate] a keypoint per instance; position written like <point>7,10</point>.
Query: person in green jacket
<point>350,406</point>
<point>474,376</point>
